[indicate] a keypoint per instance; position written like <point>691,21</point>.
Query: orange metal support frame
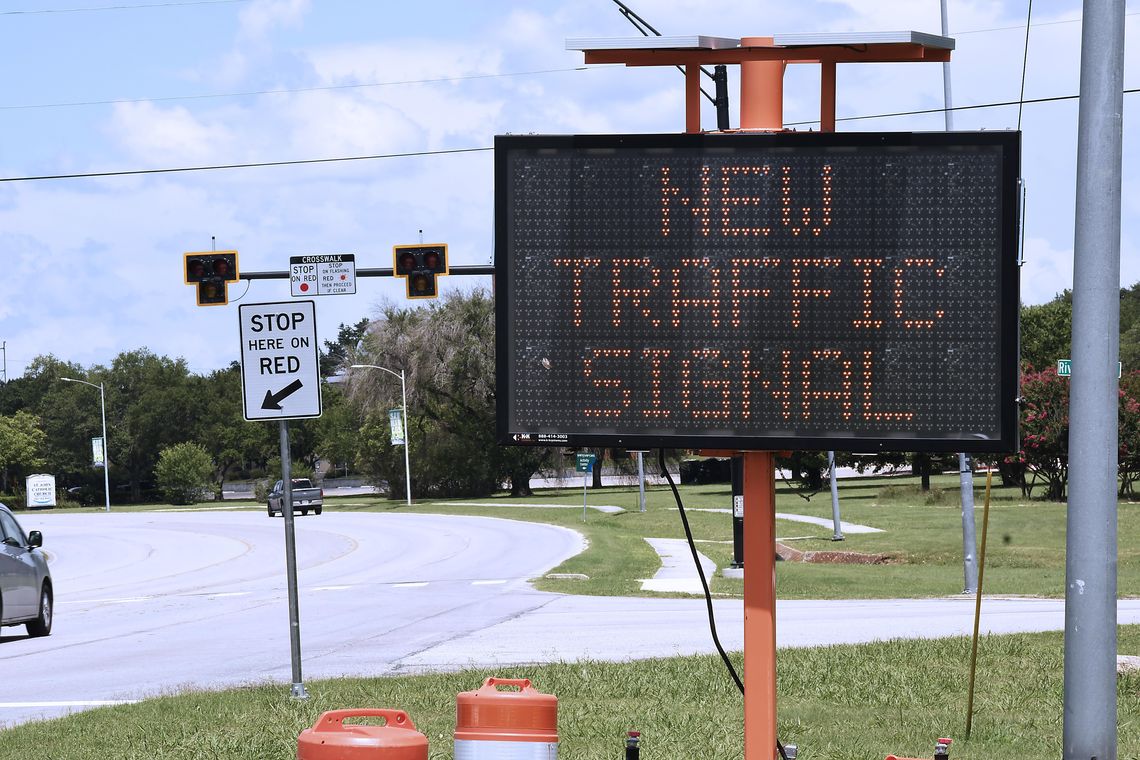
<point>763,98</point>
<point>762,67</point>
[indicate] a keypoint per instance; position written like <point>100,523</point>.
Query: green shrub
<point>184,473</point>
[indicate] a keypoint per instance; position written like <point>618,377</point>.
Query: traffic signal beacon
<point>419,265</point>
<point>212,272</point>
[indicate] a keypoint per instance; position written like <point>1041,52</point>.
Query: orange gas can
<point>506,725</point>
<point>331,739</point>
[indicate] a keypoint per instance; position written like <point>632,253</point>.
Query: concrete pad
<point>823,522</point>
<point>677,573</point>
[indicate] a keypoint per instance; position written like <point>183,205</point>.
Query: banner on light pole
<point>396,418</point>
<point>98,458</point>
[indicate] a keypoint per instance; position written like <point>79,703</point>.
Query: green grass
<point>922,537</point>
<point>840,703</point>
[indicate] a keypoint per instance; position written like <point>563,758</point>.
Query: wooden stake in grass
<point>978,604</point>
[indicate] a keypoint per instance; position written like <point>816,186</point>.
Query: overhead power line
<point>250,165</point>
<point>1024,62</point>
<point>1022,26</point>
<point>378,156</point>
<point>286,91</point>
<point>924,111</point>
<point>119,7</point>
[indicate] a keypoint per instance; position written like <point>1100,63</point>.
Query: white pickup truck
<point>306,496</point>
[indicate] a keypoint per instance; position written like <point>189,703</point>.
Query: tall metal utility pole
<point>1090,555</point>
<point>946,99</point>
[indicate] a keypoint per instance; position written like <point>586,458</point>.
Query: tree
<point>339,354</point>
<point>1045,431</point>
<point>1046,332</point>
<point>337,431</point>
<point>183,472</point>
<point>1128,460</point>
<point>809,468</point>
<point>230,440</point>
<point>67,413</point>
<point>150,406</point>
<point>21,446</point>
<point>447,353</point>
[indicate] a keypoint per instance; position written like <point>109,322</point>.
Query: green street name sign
<point>1065,368</point>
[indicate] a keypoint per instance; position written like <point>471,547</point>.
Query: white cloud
<point>261,16</point>
<point>85,307</point>
<point>1047,271</point>
<point>162,136</point>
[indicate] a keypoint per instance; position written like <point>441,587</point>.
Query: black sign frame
<point>1002,435</point>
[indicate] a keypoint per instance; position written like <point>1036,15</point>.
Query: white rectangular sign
<point>41,491</point>
<point>280,370</point>
<point>326,274</point>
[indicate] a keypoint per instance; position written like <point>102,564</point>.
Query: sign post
<point>281,381</point>
<point>584,463</point>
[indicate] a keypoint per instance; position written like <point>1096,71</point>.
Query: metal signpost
<point>640,479</point>
<point>281,381</point>
<point>584,463</point>
<point>100,456</point>
<point>1090,702</point>
<point>837,535</point>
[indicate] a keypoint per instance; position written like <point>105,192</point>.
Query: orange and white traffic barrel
<point>331,738</point>
<point>491,724</point>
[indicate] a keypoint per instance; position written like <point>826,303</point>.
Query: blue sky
<point>92,267</point>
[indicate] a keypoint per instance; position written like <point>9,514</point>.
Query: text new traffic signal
<point>211,272</point>
<point>419,265</point>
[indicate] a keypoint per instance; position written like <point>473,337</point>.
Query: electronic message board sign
<point>767,291</point>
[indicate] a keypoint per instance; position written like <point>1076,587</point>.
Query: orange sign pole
<point>761,90</point>
<point>761,108</point>
<point>759,605</point>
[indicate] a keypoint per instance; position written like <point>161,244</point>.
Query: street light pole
<point>404,411</point>
<point>106,449</point>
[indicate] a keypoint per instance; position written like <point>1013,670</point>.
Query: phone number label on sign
<point>821,291</point>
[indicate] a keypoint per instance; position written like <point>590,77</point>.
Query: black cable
<point>212,167</point>
<point>924,111</point>
<point>1024,63</point>
<point>120,7</point>
<point>700,570</point>
<point>704,582</point>
<point>286,90</point>
<point>642,25</point>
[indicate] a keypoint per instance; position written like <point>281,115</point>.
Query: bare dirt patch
<point>788,554</point>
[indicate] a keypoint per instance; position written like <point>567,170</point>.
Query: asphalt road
<point>151,603</point>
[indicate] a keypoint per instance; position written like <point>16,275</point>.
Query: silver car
<point>25,582</point>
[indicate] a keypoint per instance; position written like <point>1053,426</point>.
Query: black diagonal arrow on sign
<point>273,400</point>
